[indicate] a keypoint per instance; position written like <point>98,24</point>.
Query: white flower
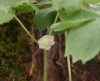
<point>46,42</point>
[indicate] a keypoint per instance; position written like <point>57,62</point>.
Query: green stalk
<point>45,74</point>
<point>21,24</point>
<point>68,62</point>
<point>69,68</point>
<point>56,18</point>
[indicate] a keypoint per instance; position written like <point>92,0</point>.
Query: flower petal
<point>46,42</point>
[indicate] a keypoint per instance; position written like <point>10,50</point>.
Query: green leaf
<point>69,5</point>
<point>84,42</point>
<point>73,5</point>
<point>15,3</point>
<point>25,8</point>
<point>44,18</point>
<point>6,16</point>
<point>77,19</point>
<point>64,25</point>
<point>92,1</point>
<point>58,4</point>
<point>44,4</point>
<point>6,11</point>
<point>80,14</point>
<point>32,1</point>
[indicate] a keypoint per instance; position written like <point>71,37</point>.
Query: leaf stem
<point>68,62</point>
<point>69,68</point>
<point>21,24</point>
<point>45,54</point>
<point>56,18</point>
<point>45,74</point>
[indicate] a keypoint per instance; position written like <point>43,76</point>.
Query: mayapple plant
<point>79,20</point>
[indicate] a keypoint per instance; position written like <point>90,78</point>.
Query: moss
<point>13,44</point>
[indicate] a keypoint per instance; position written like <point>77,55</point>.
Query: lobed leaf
<point>69,5</point>
<point>6,11</point>
<point>84,42</point>
<point>65,25</point>
<point>80,14</point>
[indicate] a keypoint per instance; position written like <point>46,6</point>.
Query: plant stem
<point>56,18</point>
<point>69,68</point>
<point>21,24</point>
<point>45,65</point>
<point>45,54</point>
<point>68,62</point>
